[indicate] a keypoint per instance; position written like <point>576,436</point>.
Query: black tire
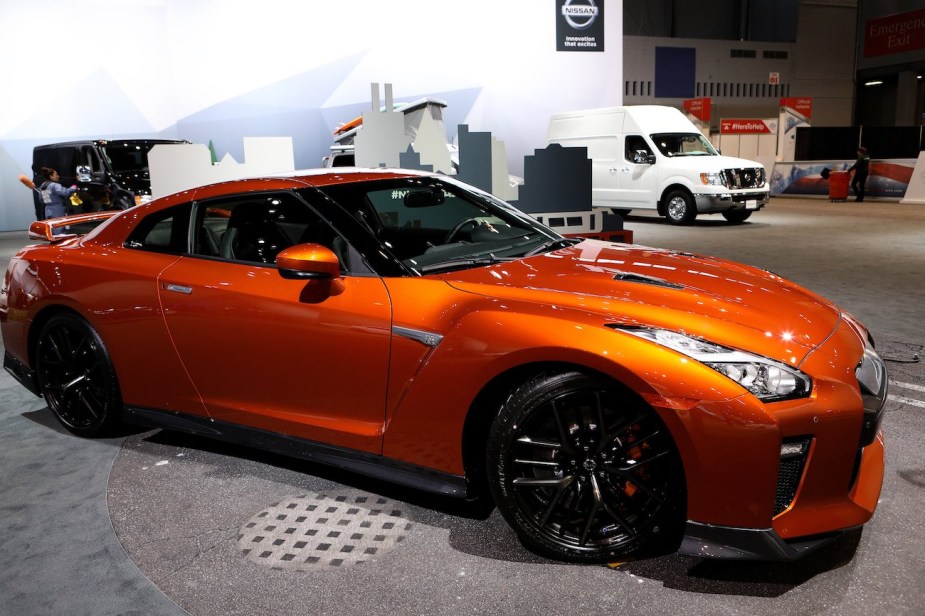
<point>76,376</point>
<point>585,472</point>
<point>680,208</point>
<point>123,201</point>
<point>737,216</point>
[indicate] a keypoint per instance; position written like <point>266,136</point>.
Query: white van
<point>653,157</point>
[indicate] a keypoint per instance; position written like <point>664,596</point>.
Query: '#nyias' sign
<point>579,25</point>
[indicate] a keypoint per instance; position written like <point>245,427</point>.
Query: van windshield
<point>683,144</point>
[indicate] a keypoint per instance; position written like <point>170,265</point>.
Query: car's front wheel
<point>76,376</point>
<point>680,208</point>
<point>583,471</point>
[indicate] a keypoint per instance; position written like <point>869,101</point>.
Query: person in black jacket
<point>861,167</point>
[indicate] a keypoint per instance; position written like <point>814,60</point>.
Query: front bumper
<point>728,543</point>
<point>726,201</point>
<point>766,544</point>
<point>771,481</point>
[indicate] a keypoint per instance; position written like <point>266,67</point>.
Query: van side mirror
<point>642,157</point>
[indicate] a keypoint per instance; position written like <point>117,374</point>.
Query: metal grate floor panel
<point>320,531</point>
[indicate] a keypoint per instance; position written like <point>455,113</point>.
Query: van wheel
<point>123,202</point>
<point>679,208</point>
<point>737,216</point>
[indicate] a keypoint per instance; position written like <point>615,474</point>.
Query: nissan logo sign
<point>579,16</point>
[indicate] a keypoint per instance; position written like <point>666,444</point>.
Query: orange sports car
<point>610,399</point>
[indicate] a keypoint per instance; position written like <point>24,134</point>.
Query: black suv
<point>111,175</point>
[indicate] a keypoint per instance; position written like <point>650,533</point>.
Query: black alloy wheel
<point>76,376</point>
<point>584,472</point>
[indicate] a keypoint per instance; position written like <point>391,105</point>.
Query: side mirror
<point>642,157</point>
<point>84,174</point>
<point>308,262</point>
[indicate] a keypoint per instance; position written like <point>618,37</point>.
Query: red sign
<point>802,105</point>
<point>894,34</point>
<point>699,108</point>
<point>744,127</point>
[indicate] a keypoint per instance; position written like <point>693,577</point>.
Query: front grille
<point>752,177</point>
<point>788,479</point>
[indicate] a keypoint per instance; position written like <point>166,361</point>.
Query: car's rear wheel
<point>583,471</point>
<point>680,208</point>
<point>76,376</point>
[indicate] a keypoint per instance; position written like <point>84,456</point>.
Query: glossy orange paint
<point>308,259</point>
<point>325,359</point>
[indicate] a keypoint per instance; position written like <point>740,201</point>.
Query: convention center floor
<point>155,523</point>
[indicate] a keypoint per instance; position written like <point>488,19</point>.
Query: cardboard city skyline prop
<point>556,188</point>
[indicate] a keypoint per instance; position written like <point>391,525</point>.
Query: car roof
<point>342,175</point>
<point>119,226</point>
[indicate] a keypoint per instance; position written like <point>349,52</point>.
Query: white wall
<point>819,64</point>
<point>78,69</point>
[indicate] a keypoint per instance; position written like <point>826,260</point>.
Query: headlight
<point>712,179</point>
<point>767,379</point>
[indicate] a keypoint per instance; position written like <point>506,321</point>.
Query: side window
<point>635,143</point>
<point>254,228</point>
<point>162,231</point>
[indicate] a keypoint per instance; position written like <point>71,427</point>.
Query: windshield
<point>683,144</point>
<point>127,157</point>
<point>437,224</point>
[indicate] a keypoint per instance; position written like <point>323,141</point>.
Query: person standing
<point>861,168</point>
<point>53,194</point>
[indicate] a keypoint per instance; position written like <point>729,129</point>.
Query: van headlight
<point>767,379</point>
<point>712,179</point>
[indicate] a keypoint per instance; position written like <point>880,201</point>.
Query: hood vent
<point>639,278</point>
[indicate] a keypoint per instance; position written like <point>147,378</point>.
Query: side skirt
<point>19,371</point>
<point>371,465</point>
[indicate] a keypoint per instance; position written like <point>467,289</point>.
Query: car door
<point>638,179</point>
<point>307,358</point>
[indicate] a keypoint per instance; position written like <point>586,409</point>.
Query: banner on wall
<point>579,25</point>
<point>894,34</point>
<point>795,112</point>
<point>748,126</point>
<point>698,112</point>
<point>887,179</point>
<point>699,108</point>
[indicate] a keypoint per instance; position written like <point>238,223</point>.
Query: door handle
<point>179,288</point>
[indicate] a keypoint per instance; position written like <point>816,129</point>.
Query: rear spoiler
<point>44,230</point>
